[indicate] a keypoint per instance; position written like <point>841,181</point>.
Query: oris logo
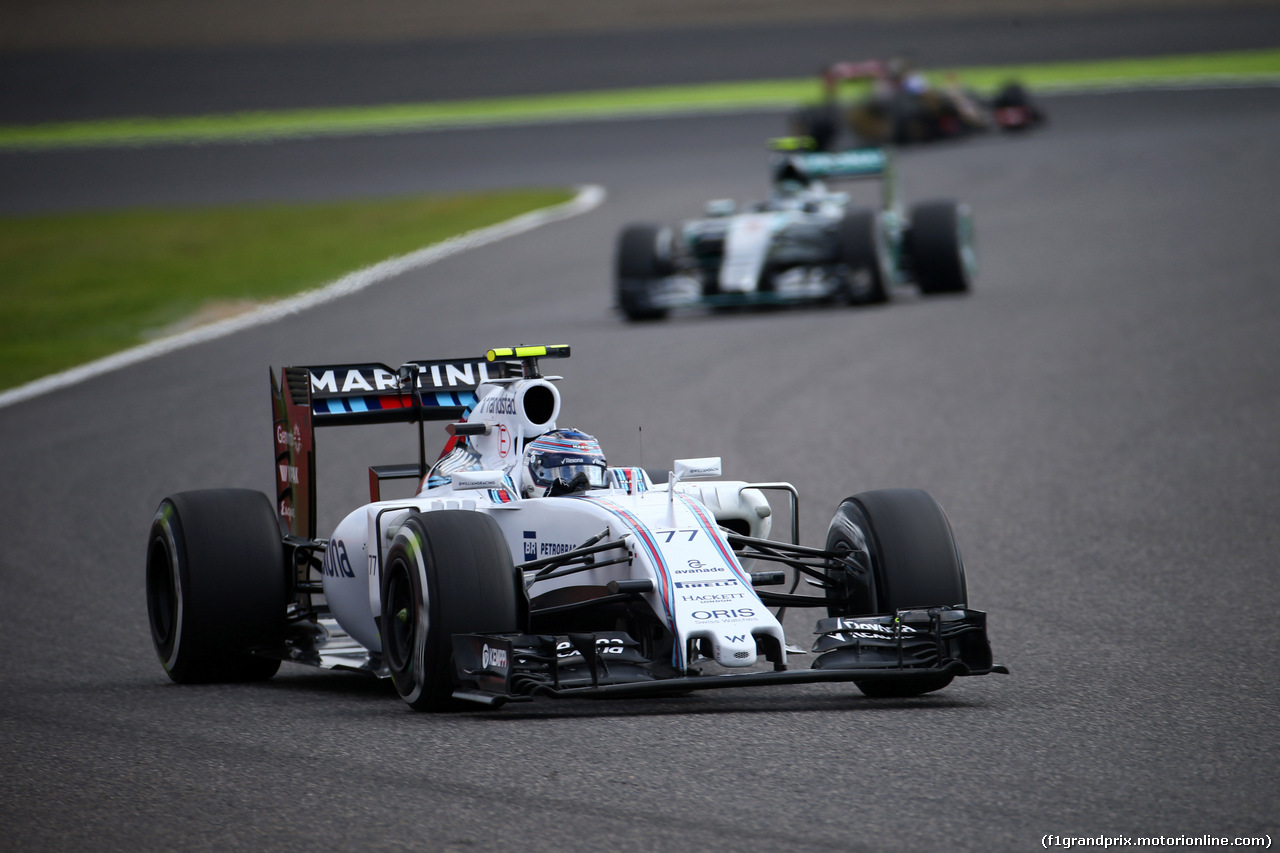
<point>739,613</point>
<point>496,658</point>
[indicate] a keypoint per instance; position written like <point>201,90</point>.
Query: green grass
<point>761,94</point>
<point>75,287</point>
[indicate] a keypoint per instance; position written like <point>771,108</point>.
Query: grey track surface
<point>1098,418</point>
<point>51,85</point>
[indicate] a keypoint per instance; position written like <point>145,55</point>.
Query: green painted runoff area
<point>1201,69</point>
<point>75,287</point>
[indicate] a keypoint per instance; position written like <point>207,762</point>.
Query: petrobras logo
<point>706,584</point>
<point>555,549</point>
<point>530,545</point>
<point>495,658</point>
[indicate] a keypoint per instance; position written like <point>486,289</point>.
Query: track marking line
<point>588,198</point>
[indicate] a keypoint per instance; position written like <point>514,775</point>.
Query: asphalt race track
<point>1098,418</point>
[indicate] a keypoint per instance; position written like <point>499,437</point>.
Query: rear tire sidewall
<point>448,572</point>
<point>217,586</point>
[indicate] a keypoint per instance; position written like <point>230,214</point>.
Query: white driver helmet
<point>563,454</point>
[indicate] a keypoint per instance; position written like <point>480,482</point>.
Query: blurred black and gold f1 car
<point>903,107</point>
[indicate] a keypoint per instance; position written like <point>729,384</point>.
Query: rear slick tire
<point>217,586</point>
<point>447,572</point>
<point>914,563</point>
<point>643,257</point>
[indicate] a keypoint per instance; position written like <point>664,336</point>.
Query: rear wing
<point>855,163</point>
<point>349,394</point>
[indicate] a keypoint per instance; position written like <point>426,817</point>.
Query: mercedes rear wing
<point>854,164</point>
<point>307,397</point>
<point>843,165</point>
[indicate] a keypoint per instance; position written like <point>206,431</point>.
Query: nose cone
<point>735,649</point>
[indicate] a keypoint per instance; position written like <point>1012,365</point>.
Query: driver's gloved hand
<point>579,483</point>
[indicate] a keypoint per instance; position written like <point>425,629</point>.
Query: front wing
<point>496,668</point>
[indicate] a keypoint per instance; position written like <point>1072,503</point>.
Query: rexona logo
<point>336,562</point>
<point>705,584</point>
<point>496,658</point>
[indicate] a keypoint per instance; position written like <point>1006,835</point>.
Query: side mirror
<point>697,469</point>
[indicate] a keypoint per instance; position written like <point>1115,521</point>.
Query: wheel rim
<point>161,594</point>
<point>402,618</point>
<point>164,589</point>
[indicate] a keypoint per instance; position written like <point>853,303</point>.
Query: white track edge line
<point>589,197</point>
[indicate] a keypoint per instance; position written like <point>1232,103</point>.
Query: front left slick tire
<point>448,572</point>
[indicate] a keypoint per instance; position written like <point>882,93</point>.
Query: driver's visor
<point>595,474</point>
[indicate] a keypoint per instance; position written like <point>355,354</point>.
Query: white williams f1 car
<point>526,565</point>
<point>805,243</point>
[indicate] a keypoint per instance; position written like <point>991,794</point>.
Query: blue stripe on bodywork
<point>655,555</point>
<point>713,532</point>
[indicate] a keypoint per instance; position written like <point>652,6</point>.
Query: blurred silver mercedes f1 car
<point>525,565</point>
<point>804,243</point>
